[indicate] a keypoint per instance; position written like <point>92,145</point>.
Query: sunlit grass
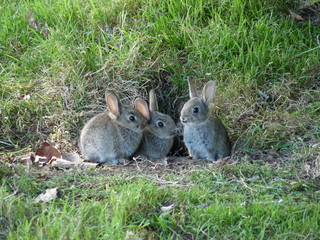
<point>248,201</point>
<point>267,69</point>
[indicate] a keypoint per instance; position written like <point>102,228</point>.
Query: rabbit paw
<point>112,162</point>
<point>123,161</point>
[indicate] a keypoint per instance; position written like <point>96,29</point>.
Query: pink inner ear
<point>208,92</point>
<point>113,106</point>
<point>142,107</point>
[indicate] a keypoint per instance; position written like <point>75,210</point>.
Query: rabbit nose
<point>183,119</point>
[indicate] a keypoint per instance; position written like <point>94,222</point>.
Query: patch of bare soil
<point>170,164</point>
<point>55,166</point>
<point>47,161</point>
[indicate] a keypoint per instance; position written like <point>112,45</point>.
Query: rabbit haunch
<point>112,137</point>
<point>204,135</point>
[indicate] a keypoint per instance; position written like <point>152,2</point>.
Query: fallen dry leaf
<point>49,195</point>
<point>40,161</point>
<point>62,163</point>
<point>295,16</point>
<point>47,154</point>
<point>167,208</point>
<point>48,151</point>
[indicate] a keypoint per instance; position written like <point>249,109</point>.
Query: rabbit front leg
<point>190,152</point>
<point>109,159</point>
<point>112,162</point>
<point>211,155</point>
<point>123,161</point>
<point>119,160</point>
<point>194,154</point>
<point>207,154</point>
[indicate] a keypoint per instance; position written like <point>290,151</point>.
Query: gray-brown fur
<point>111,136</point>
<point>158,134</point>
<point>154,147</point>
<point>204,135</point>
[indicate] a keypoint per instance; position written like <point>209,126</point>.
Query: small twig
<point>14,193</point>
<point>136,163</point>
<point>244,184</point>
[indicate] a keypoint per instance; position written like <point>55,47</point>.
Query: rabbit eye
<point>196,110</point>
<point>132,118</point>
<point>160,124</point>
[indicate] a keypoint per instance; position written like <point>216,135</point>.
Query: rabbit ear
<point>208,92</point>
<point>192,90</point>
<point>142,107</point>
<point>153,103</point>
<point>112,103</point>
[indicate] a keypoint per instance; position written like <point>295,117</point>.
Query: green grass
<point>246,201</point>
<point>50,85</point>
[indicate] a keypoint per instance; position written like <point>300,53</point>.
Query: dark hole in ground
<point>171,104</point>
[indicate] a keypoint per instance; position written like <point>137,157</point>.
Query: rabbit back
<point>107,140</point>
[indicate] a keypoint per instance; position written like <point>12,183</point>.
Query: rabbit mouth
<point>136,128</point>
<point>184,120</point>
<point>170,135</point>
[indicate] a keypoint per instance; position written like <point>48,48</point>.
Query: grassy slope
<point>49,86</point>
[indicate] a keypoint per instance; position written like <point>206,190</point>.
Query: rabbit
<point>158,134</point>
<point>112,137</point>
<point>204,135</point>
